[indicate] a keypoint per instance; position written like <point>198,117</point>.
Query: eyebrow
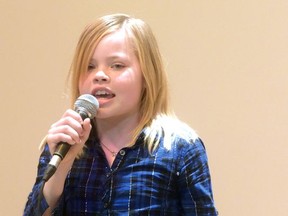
<point>112,57</point>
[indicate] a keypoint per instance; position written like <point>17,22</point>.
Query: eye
<point>117,66</point>
<point>91,67</point>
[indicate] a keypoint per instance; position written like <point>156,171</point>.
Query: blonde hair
<point>157,118</point>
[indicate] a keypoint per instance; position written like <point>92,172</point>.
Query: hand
<point>70,129</point>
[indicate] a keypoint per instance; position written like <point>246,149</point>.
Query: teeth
<point>101,92</point>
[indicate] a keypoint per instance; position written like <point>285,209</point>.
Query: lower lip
<point>104,101</point>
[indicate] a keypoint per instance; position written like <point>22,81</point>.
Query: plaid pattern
<point>168,182</point>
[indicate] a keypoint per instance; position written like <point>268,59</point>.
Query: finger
<point>65,133</point>
<point>73,114</point>
<point>65,124</point>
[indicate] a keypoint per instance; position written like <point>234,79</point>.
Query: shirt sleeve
<point>195,182</point>
<point>36,204</point>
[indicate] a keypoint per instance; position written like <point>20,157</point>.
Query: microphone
<point>86,105</point>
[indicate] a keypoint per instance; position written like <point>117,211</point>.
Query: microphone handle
<point>60,153</point>
<point>62,150</point>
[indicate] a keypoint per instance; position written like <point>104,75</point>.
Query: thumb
<point>86,130</point>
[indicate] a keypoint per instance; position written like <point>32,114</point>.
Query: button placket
<point>106,198</point>
<point>109,184</point>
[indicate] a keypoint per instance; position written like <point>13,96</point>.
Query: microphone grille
<point>88,103</point>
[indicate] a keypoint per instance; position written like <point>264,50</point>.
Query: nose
<point>101,76</point>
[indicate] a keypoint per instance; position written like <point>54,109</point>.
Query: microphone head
<point>86,105</point>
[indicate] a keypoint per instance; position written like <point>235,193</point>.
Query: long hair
<point>156,117</point>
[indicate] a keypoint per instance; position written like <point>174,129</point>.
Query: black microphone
<point>86,105</point>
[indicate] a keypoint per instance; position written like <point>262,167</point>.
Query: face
<point>114,77</point>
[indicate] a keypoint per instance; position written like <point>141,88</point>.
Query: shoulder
<point>168,131</point>
<point>175,125</point>
<point>188,147</point>
<point>176,132</point>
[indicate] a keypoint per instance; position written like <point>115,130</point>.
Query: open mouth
<point>104,94</point>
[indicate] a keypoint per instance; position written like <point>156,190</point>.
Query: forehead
<point>115,41</point>
<point>119,36</point>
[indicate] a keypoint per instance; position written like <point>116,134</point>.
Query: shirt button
<point>106,205</point>
<point>122,152</point>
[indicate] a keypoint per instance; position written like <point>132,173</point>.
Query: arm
<point>72,130</point>
<point>195,182</point>
<point>36,203</point>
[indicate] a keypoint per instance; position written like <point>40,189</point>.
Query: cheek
<point>132,83</point>
<point>83,86</point>
<point>136,91</point>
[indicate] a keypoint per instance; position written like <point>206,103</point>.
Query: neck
<point>117,132</point>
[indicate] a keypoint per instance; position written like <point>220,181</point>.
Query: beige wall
<point>227,63</point>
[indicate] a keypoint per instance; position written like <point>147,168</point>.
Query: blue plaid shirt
<point>167,182</point>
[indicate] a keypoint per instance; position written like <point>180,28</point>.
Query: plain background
<point>227,62</point>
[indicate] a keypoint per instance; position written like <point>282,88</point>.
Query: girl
<point>135,157</point>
